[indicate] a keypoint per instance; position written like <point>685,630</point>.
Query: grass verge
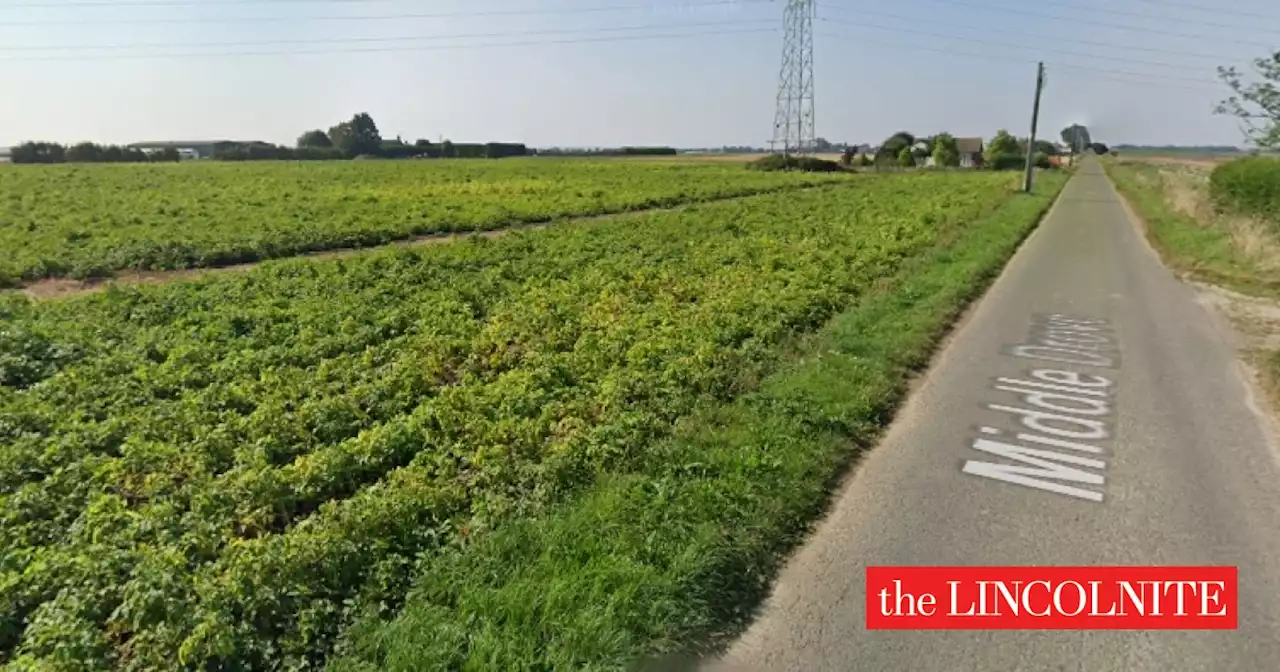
<point>673,557</point>
<point>1192,243</point>
<point>1192,237</point>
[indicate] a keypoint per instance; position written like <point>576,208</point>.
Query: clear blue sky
<point>964,66</point>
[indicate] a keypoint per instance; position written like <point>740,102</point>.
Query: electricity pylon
<point>793,128</point>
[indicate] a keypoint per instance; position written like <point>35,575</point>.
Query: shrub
<point>905,159</point>
<point>946,153</point>
<point>1250,185</point>
<point>803,163</point>
<point>1007,162</point>
<point>1042,160</point>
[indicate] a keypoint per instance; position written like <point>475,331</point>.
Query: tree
<point>84,152</point>
<point>447,150</point>
<point>356,137</point>
<point>317,139</point>
<point>1046,147</point>
<point>1256,104</point>
<point>893,146</point>
<point>1077,137</point>
<point>846,158</point>
<point>1000,146</point>
<point>38,152</point>
<point>946,153</point>
<point>422,143</point>
<point>905,158</point>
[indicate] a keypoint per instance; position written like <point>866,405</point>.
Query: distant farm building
<point>4,155</point>
<point>970,152</point>
<point>201,149</point>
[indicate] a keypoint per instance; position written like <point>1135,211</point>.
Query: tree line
<point>87,152</point>
<point>904,149</point>
<point>357,137</point>
<point>611,151</point>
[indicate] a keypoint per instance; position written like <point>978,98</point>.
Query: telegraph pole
<point>1035,118</point>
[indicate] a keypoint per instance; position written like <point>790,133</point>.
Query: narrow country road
<point>1173,465</point>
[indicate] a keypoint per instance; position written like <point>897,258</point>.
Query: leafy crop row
<point>91,220</point>
<point>222,473</point>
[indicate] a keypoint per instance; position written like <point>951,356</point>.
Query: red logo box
<point>1051,598</point>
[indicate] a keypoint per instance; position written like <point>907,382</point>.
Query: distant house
<point>920,151</point>
<point>970,152</point>
<point>5,157</point>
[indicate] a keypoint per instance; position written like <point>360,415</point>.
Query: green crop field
<point>368,461</point>
<point>90,220</point>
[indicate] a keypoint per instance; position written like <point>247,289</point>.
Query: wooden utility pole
<point>1035,118</point>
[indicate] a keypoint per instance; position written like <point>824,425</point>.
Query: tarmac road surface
<point>1173,465</point>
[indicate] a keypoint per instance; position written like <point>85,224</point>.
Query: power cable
<point>1050,50</point>
<point>1104,24</point>
<point>357,40</point>
<point>987,30</point>
<point>1214,10</point>
<point>1148,17</point>
<point>1143,77</point>
<point>434,47</point>
<point>181,3</point>
<point>366,17</point>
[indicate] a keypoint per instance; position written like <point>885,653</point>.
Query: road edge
<point>1266,413</point>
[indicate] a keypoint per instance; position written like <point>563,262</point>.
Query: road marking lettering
<point>1062,409</point>
<point>1070,340</point>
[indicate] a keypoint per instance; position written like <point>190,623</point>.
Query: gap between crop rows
<point>63,287</point>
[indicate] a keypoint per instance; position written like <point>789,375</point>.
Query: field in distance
<point>94,219</point>
<point>320,458</point>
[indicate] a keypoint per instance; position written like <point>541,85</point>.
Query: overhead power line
<point>360,40</point>
<point>1125,75</point>
<point>370,17</point>
<point>432,47</point>
<point>1148,17</point>
<point>986,30</point>
<point>1082,21</point>
<point>1214,10</point>
<point>41,4</point>
<point>1037,49</point>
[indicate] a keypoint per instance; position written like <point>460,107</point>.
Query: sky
<point>686,73</point>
